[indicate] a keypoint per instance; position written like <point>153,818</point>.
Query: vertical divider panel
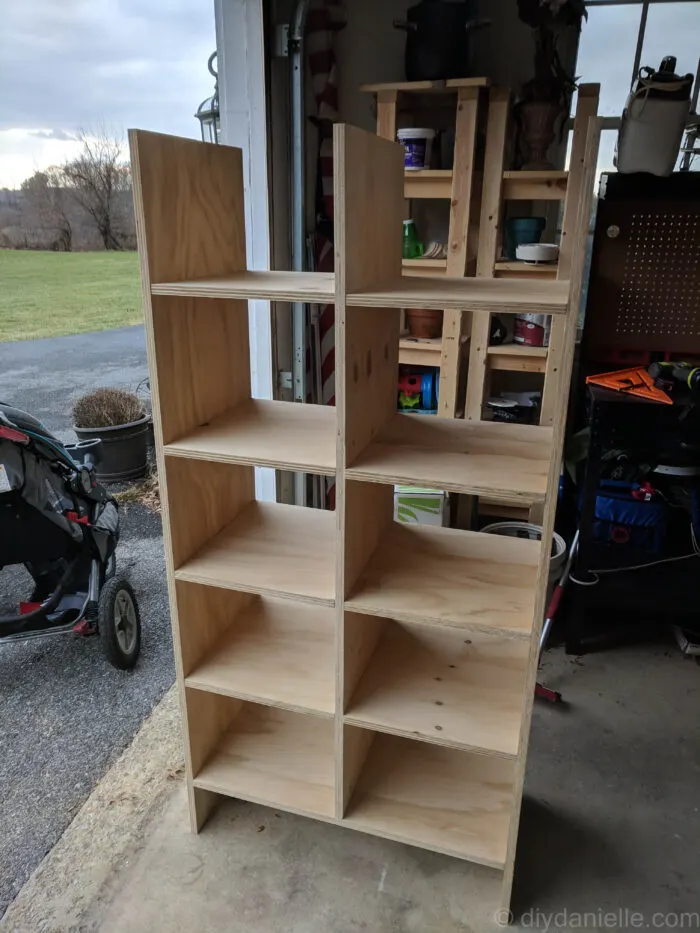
<point>578,253</point>
<point>190,223</point>
<point>369,207</point>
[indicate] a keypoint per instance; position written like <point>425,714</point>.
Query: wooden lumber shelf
<point>515,357</point>
<point>426,87</point>
<point>424,266</point>
<point>505,296</point>
<point>271,549</point>
<point>535,186</point>
<point>420,351</point>
<point>276,758</point>
<point>521,268</point>
<point>443,576</point>
<point>440,798</point>
<point>517,186</point>
<point>285,435</point>
<point>277,653</point>
<point>435,184</point>
<point>479,458</point>
<point>314,287</point>
<point>435,684</point>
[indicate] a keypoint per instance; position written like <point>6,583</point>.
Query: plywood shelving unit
<point>338,665</point>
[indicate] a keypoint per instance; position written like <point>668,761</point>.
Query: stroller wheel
<point>119,623</point>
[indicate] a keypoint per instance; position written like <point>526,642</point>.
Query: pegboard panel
<point>644,290</point>
<point>660,291</point>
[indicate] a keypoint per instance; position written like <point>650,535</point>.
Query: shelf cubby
<point>435,684</point>
<point>269,651</point>
<point>271,549</point>
<point>465,580</point>
<point>267,755</point>
<point>267,433</point>
<point>440,798</point>
<point>482,458</point>
<point>226,538</point>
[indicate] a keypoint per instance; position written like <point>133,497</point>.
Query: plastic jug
<point>653,121</point>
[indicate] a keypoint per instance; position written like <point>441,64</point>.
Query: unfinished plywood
<point>266,433</point>
<point>502,295</point>
<point>510,461</point>
<point>444,576</point>
<point>274,757</point>
<point>442,686</point>
<point>273,652</point>
<point>439,798</point>
<point>317,287</point>
<point>342,666</point>
<point>272,549</point>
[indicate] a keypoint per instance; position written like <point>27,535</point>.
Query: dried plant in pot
<point>120,421</point>
<point>546,97</point>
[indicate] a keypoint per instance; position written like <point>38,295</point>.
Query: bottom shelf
<point>274,757</point>
<point>438,798</point>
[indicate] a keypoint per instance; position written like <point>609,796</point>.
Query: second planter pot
<point>424,322</point>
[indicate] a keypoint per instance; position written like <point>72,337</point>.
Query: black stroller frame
<point>57,520</point>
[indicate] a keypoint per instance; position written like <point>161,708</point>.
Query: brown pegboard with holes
<point>644,288</point>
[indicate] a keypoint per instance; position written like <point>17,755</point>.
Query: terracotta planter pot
<point>424,322</point>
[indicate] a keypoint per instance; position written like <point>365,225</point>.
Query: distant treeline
<point>84,204</point>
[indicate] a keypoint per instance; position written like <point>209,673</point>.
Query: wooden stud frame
<point>339,665</point>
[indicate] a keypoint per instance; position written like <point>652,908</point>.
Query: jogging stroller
<point>57,520</point>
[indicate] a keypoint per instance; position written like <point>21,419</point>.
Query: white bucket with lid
<point>534,533</point>
<point>418,147</point>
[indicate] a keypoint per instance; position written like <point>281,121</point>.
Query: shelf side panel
<point>202,359</point>
<point>578,255</point>
<point>189,197</point>
<point>206,614</point>
<point>203,499</point>
<point>369,208</point>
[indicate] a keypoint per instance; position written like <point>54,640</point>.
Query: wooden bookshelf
<point>339,665</point>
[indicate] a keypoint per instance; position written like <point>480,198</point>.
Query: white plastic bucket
<point>418,147</point>
<point>534,533</point>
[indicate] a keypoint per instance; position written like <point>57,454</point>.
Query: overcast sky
<point>66,64</point>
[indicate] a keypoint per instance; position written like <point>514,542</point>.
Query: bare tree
<point>48,198</point>
<point>100,181</point>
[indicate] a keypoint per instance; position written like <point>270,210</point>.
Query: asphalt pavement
<point>65,713</point>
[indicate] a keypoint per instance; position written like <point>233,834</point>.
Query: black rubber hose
<point>19,623</point>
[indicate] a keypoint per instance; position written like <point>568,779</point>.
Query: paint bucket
<point>418,147</point>
<point>534,533</point>
<point>532,330</point>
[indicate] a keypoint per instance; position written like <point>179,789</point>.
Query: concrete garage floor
<point>609,832</point>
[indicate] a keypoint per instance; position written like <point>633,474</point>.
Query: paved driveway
<point>65,714</point>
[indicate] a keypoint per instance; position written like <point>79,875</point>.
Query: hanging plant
<point>551,83</point>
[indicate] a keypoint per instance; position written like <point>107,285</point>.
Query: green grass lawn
<point>45,294</point>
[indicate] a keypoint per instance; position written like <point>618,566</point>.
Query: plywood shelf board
<point>314,287</point>
<point>437,684</point>
<point>445,800</point>
<point>461,579</point>
<point>271,549</point>
<point>274,757</point>
<point>278,653</point>
<point>507,296</point>
<point>285,435</point>
<point>428,184</point>
<point>480,458</point>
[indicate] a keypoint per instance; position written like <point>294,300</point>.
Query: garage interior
<point>344,619</point>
